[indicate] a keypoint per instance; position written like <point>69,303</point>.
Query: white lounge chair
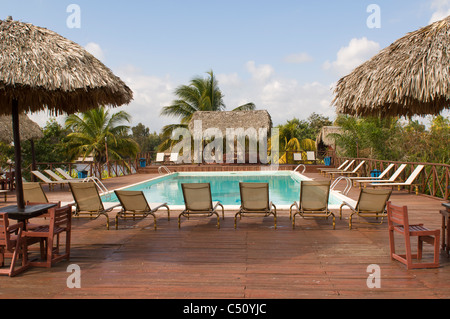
<point>323,170</point>
<point>382,175</point>
<point>67,176</point>
<point>46,180</point>
<point>408,182</point>
<point>160,157</point>
<point>174,157</point>
<point>355,171</point>
<point>390,180</point>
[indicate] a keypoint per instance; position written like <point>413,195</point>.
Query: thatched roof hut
<point>29,130</point>
<point>235,119</point>
<point>43,70</point>
<point>326,137</point>
<point>410,77</point>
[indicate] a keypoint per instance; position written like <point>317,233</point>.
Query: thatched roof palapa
<point>43,70</point>
<point>325,136</point>
<point>410,77</point>
<point>233,120</point>
<point>29,130</point>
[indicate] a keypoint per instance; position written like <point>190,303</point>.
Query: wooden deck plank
<point>312,261</point>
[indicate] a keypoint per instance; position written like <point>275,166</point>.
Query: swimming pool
<point>284,188</point>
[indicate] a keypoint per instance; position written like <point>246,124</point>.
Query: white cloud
<point>95,49</point>
<point>260,73</point>
<point>441,10</point>
<point>298,58</point>
<point>357,52</point>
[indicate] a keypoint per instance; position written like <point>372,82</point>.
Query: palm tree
<point>202,94</point>
<point>99,134</point>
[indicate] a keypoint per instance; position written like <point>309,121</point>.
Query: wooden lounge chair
<point>345,169</point>
<point>408,182</point>
<point>88,202</point>
<point>198,201</point>
<point>341,167</point>
<point>314,196</point>
<point>354,172</point>
<point>60,222</point>
<point>12,245</point>
<point>399,223</point>
<point>255,201</point>
<point>392,179</point>
<point>134,204</point>
<point>371,204</point>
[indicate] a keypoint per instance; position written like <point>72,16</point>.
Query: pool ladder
<point>164,170</point>
<point>100,185</point>
<point>304,168</point>
<point>347,188</point>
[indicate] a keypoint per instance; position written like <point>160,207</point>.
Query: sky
<point>285,56</point>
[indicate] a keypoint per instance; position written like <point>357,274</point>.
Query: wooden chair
<point>60,222</point>
<point>134,204</point>
<point>255,201</point>
<point>12,245</point>
<point>198,201</point>
<point>399,223</point>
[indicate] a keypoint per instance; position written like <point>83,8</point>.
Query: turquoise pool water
<point>284,187</point>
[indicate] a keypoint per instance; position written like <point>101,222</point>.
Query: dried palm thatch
<point>43,70</point>
<point>233,120</point>
<point>326,135</point>
<point>29,130</point>
<point>410,77</point>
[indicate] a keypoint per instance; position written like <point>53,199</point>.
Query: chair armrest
<point>217,205</point>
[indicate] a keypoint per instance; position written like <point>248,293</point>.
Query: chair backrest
<point>86,197</point>
<point>160,157</point>
<point>398,216</point>
<point>343,165</point>
<point>52,174</point>
<point>414,174</point>
<point>349,165</point>
<point>397,172</point>
<point>60,217</point>
<point>174,157</point>
<point>254,196</point>
<point>314,195</point>
<point>197,196</point>
<point>311,156</point>
<point>357,168</point>
<point>63,173</point>
<point>133,200</point>
<point>373,200</point>
<point>386,171</point>
<point>4,233</point>
<point>34,193</point>
<point>41,176</point>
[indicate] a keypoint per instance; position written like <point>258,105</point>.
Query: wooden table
<point>445,228</point>
<point>30,211</point>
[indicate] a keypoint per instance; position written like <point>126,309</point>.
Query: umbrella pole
<point>18,155</point>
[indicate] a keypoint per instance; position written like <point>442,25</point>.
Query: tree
<point>148,142</point>
<point>202,94</point>
<point>100,134</point>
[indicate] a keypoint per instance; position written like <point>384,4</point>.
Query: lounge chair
<point>48,181</point>
<point>174,158</point>
<point>314,196</point>
<point>409,181</point>
<point>354,172</point>
<point>345,169</point>
<point>58,178</point>
<point>255,201</point>
<point>88,202</point>
<point>67,176</point>
<point>371,203</point>
<point>341,167</point>
<point>34,193</point>
<point>372,178</point>
<point>160,158</point>
<point>134,204</point>
<point>198,201</point>
<point>390,180</point>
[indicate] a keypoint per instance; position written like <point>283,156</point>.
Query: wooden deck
<point>255,261</point>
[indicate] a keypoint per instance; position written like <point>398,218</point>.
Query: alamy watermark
<point>374,19</point>
<point>374,279</point>
<point>74,279</point>
<point>74,19</point>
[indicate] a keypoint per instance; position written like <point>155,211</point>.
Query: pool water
<point>284,187</point>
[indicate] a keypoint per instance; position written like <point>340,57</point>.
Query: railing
<point>433,181</point>
<point>161,170</point>
<point>304,168</point>
<point>338,180</point>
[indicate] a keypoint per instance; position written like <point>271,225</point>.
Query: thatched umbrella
<point>41,70</point>
<point>28,130</point>
<point>410,77</point>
